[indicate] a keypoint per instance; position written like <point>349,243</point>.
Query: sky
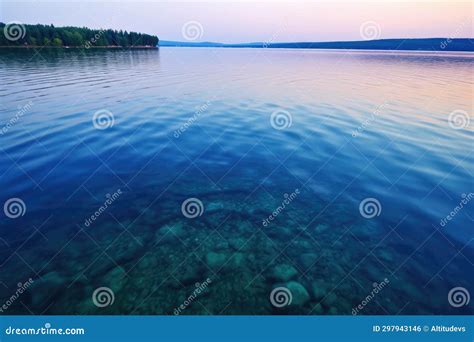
<point>250,21</point>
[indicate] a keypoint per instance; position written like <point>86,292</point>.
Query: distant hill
<point>190,44</point>
<point>425,44</point>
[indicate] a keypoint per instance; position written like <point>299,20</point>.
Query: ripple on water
<point>189,123</point>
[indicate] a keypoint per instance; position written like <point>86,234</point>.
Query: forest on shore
<point>16,34</point>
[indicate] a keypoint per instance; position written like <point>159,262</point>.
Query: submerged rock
<point>279,233</point>
<point>298,292</point>
<point>170,232</point>
<point>307,260</point>
<point>238,260</point>
<point>43,290</point>
<point>330,299</point>
<point>321,228</point>
<point>216,260</point>
<point>319,289</point>
<point>117,277</point>
<point>283,272</point>
<point>222,245</point>
<point>126,249</point>
<point>189,273</point>
<point>238,243</point>
<point>214,206</point>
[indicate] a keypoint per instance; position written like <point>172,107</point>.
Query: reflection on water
<point>323,174</point>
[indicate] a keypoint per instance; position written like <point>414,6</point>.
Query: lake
<point>236,181</point>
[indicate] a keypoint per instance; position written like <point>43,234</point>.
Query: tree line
<point>16,34</point>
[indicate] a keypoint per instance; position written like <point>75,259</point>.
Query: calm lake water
<point>236,181</point>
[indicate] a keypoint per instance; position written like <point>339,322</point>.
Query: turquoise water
<point>317,176</point>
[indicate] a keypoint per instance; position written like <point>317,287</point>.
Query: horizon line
<point>310,41</point>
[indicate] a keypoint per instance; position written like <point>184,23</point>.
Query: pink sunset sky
<point>248,21</point>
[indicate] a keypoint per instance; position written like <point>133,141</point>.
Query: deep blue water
<point>280,147</point>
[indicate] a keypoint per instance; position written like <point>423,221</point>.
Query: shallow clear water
<point>197,123</point>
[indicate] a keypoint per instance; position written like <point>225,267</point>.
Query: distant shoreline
<point>69,37</point>
<point>76,47</point>
<point>411,44</point>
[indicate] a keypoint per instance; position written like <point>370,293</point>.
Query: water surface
<point>280,194</point>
